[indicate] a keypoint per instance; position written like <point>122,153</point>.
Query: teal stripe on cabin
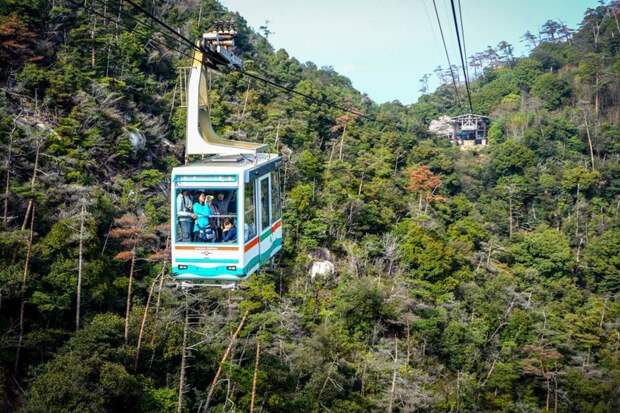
<point>222,271</point>
<point>265,234</point>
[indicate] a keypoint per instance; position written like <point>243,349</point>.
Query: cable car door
<point>263,193</point>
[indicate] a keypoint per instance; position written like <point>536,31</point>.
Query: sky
<point>386,46</point>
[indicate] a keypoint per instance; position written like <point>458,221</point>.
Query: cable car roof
<point>227,162</point>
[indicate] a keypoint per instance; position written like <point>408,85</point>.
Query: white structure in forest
<point>467,131</point>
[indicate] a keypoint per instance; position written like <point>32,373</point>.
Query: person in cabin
<point>214,221</point>
<point>203,231</point>
<point>223,202</point>
<point>185,215</point>
<point>230,231</point>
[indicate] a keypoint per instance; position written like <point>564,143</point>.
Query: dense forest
<point>478,280</point>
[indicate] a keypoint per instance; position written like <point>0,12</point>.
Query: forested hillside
<point>464,281</point>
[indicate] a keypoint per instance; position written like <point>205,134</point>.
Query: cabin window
<point>205,215</point>
<point>249,229</point>
<point>265,205</point>
<point>276,198</point>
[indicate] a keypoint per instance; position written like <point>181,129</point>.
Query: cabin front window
<point>205,215</point>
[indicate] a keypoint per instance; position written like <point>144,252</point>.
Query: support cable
<point>464,42</point>
<point>248,74</point>
<point>445,48</point>
<point>322,102</point>
<point>458,38</point>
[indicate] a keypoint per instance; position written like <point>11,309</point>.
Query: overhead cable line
<point>323,102</point>
<point>458,38</point>
<point>134,29</point>
<point>252,75</point>
<point>464,42</point>
<point>445,48</point>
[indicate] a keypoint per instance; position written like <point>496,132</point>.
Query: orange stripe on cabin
<point>275,226</point>
<point>251,244</point>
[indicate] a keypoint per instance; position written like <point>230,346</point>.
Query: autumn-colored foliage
<point>424,182</point>
<point>16,40</point>
<point>422,178</point>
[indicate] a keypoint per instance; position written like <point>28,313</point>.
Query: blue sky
<point>386,46</point>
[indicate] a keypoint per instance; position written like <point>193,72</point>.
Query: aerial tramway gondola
<point>242,174</point>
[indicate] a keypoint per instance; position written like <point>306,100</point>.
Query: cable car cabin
<point>238,228</point>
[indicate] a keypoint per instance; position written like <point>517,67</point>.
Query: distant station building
<point>466,131</point>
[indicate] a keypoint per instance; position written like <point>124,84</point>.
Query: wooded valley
<point>465,280</point>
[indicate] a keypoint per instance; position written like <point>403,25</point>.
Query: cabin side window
<point>276,198</point>
<point>205,215</point>
<point>249,229</point>
<point>265,204</point>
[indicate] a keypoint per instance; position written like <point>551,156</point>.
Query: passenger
<point>230,231</point>
<point>223,202</point>
<point>185,215</point>
<point>214,221</point>
<point>203,232</point>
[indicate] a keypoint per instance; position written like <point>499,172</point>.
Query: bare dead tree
<point>24,286</point>
<point>254,377</point>
<point>233,338</point>
<point>7,186</point>
<point>131,229</point>
<point>183,359</point>
<point>79,277</point>
<point>33,182</point>
<point>394,374</point>
<point>144,317</point>
<point>585,119</point>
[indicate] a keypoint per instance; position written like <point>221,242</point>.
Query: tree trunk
<point>144,317</point>
<point>245,101</point>
<point>224,357</point>
<point>128,307</point>
<point>577,211</point>
<point>344,131</point>
<point>79,277</point>
<point>7,186</point>
<point>277,136</point>
<point>359,189</point>
<point>585,118</point>
<point>93,49</point>
<point>161,280</point>
<point>22,306</point>
<point>183,359</point>
<point>331,154</point>
<point>255,374</point>
<point>105,243</point>
<point>393,388</point>
<point>33,181</point>
<point>510,217</point>
<point>597,99</point>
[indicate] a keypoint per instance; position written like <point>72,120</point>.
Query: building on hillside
<point>466,131</point>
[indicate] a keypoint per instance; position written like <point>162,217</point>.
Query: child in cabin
<point>230,231</point>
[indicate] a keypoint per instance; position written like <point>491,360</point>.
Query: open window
<point>205,215</point>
